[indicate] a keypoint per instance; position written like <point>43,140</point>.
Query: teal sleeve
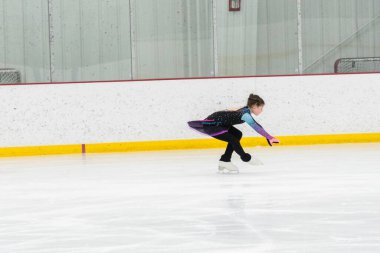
<point>247,118</point>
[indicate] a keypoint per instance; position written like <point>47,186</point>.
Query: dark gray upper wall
<point>87,40</point>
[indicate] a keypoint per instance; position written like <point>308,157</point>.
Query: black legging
<point>233,137</point>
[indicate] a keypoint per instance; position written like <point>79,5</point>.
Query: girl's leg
<point>230,149</point>
<point>233,137</point>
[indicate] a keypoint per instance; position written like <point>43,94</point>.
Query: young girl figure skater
<point>220,125</point>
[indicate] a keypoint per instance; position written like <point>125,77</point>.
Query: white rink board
<point>56,114</point>
<point>304,199</point>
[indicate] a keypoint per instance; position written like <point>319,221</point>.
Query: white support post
<point>299,33</point>
<point>215,38</point>
<point>51,38</point>
<point>132,9</point>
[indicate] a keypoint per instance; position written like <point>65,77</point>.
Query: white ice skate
<point>255,162</point>
<point>227,167</point>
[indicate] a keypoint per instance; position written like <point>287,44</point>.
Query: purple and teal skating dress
<point>219,122</point>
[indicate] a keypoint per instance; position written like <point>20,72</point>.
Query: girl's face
<point>256,110</point>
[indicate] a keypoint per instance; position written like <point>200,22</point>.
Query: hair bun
<point>255,100</point>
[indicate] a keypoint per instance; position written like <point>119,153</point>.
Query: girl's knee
<point>237,133</point>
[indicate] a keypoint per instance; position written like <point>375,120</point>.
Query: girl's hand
<point>273,140</point>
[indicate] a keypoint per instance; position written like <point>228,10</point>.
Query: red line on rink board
<point>192,78</point>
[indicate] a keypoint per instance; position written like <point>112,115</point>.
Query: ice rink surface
<point>320,199</point>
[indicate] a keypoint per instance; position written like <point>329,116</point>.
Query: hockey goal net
<point>357,65</point>
<point>9,76</point>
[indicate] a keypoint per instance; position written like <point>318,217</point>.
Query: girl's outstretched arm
<point>258,128</point>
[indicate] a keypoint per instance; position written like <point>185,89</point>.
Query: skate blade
<point>226,171</point>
